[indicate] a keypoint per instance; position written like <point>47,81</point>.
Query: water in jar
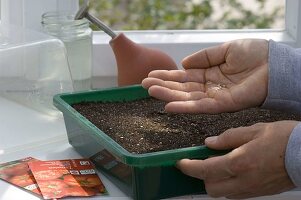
<point>77,37</point>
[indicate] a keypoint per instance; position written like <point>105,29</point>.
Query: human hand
<point>255,166</point>
<point>224,78</point>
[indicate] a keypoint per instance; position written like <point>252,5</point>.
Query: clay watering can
<point>134,61</point>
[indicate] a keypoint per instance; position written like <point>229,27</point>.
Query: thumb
<point>231,138</point>
<point>206,58</point>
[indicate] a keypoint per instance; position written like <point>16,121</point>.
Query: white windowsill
<point>195,36</point>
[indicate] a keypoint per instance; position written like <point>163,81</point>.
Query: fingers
<point>204,105</point>
<point>186,87</point>
<point>168,95</point>
<point>231,188</point>
<point>170,75</point>
<point>219,179</point>
<point>240,188</point>
<point>215,168</point>
<point>175,76</point>
<point>206,58</point>
<point>245,195</point>
<point>226,187</point>
<point>193,101</point>
<point>232,138</point>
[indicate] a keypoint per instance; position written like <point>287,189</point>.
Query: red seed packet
<point>62,178</point>
<point>18,173</point>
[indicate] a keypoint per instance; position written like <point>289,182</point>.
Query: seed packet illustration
<point>18,173</point>
<point>62,178</point>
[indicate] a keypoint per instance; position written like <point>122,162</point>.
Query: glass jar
<point>77,37</point>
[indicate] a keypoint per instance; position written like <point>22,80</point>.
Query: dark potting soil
<point>142,126</point>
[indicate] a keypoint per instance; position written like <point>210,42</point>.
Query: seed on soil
<point>143,126</point>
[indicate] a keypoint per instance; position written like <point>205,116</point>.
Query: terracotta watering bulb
<point>135,61</point>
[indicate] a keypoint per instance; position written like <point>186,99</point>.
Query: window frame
<point>27,13</point>
<point>179,43</point>
<point>176,43</point>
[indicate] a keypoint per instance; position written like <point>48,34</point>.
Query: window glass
<point>190,14</point>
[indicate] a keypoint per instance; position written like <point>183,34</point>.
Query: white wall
<point>27,13</point>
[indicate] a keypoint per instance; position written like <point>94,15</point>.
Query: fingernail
<point>210,139</point>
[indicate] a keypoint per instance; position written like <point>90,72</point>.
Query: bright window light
<point>190,14</point>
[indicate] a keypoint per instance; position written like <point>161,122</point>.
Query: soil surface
<point>142,126</point>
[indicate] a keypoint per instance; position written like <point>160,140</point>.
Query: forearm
<point>284,93</point>
<point>284,87</point>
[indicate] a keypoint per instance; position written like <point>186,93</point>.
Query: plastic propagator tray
<point>141,176</point>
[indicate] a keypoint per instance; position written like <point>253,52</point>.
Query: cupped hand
<point>224,78</point>
<point>255,166</point>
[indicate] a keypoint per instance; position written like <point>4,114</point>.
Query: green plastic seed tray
<point>141,176</point>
